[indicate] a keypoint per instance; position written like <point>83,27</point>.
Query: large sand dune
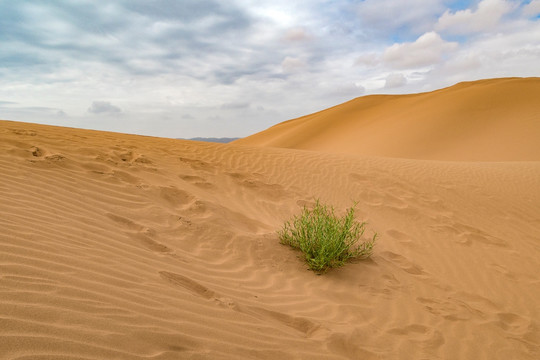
<point>487,120</point>
<point>118,246</point>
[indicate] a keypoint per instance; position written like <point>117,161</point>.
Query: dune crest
<point>118,246</point>
<point>486,120</point>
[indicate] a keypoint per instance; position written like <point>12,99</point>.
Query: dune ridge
<point>130,247</point>
<point>485,120</point>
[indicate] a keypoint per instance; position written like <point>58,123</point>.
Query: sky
<point>210,68</point>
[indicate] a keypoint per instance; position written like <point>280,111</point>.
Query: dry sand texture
<point>487,120</point>
<point>126,247</point>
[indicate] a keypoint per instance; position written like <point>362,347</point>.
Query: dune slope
<point>129,247</point>
<point>486,120</point>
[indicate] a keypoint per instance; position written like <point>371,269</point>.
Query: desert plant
<point>326,240</point>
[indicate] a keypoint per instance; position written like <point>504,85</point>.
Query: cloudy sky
<point>186,68</point>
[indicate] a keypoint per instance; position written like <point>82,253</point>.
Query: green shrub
<point>326,240</point>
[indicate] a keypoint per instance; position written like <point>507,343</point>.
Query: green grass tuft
<point>326,240</point>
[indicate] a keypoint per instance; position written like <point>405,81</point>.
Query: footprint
<point>475,304</point>
<point>503,270</point>
<point>175,196</point>
<point>449,310</point>
<point>43,160</point>
<point>256,183</point>
<point>431,337</point>
<point>305,203</point>
<point>197,181</point>
<point>44,155</point>
<point>270,191</point>
<point>96,168</point>
<point>126,177</point>
<point>403,208</point>
<point>475,235</point>
<point>468,235</point>
<point>360,178</point>
<point>190,178</point>
<point>398,235</point>
<point>379,292</point>
<point>55,158</point>
<point>123,157</point>
<point>199,209</point>
<point>431,200</point>
<point>297,323</point>
<point>403,263</point>
<point>150,243</point>
<point>143,160</point>
<point>197,164</point>
<point>372,198</point>
<point>387,200</point>
<point>391,281</point>
<point>512,323</point>
<point>189,284</point>
<point>348,346</point>
<point>301,324</point>
<point>127,223</point>
<point>140,233</point>
<point>410,329</point>
<point>128,156</point>
<point>37,152</point>
<point>23,132</point>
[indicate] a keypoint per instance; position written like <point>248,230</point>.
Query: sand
<point>486,120</point>
<point>119,246</point>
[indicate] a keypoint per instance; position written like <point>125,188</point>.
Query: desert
<point>117,246</point>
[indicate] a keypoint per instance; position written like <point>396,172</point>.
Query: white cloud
<point>511,53</point>
<point>103,107</point>
<point>368,59</point>
<point>395,80</point>
<point>427,50</point>
<point>297,34</point>
<point>291,64</point>
<point>409,17</point>
<point>532,9</point>
<point>236,105</point>
<point>485,18</point>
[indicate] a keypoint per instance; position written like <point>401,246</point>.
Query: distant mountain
<point>215,140</point>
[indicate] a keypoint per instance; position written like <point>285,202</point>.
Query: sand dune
<point>118,246</point>
<point>487,120</point>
